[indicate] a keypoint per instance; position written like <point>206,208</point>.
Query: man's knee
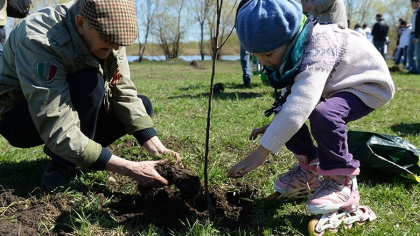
<point>86,85</point>
<point>18,128</point>
<point>147,104</point>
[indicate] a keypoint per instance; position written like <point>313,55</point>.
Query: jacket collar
<point>81,51</point>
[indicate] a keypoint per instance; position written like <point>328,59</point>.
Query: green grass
<point>179,93</point>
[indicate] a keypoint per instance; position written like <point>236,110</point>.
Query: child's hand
<point>257,131</point>
<point>254,160</point>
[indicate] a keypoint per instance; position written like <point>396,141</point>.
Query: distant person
<point>368,32</point>
<point>414,47</point>
<point>330,11</point>
<point>65,84</point>
<point>358,28</point>
<point>397,39</point>
<point>380,33</point>
<point>401,54</point>
<point>3,21</point>
<point>246,67</point>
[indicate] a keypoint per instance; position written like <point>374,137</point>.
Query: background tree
<point>227,23</point>
<point>170,26</point>
<point>200,10</point>
<point>146,11</point>
<point>357,11</point>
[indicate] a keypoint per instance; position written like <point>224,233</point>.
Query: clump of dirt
<point>184,179</point>
<point>185,199</point>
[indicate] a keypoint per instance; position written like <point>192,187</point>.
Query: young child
<point>329,75</point>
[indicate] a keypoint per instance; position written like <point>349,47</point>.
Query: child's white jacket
<point>335,60</point>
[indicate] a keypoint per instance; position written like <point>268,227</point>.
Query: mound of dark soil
<point>171,208</point>
<point>184,179</point>
<point>185,199</point>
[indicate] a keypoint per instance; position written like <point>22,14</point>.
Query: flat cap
<point>115,20</point>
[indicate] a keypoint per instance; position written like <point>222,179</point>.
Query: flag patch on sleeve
<point>46,71</point>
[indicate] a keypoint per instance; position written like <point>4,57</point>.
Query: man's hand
<point>254,160</point>
<point>155,147</point>
<point>143,172</point>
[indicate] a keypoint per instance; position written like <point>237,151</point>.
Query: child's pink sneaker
<point>334,193</point>
<point>299,181</point>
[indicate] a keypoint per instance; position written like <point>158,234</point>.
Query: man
<point>414,47</point>
<point>65,83</point>
<point>329,10</point>
<point>380,33</point>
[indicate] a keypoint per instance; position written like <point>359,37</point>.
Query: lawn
<point>101,203</point>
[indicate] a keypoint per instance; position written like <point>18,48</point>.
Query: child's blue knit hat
<point>265,25</point>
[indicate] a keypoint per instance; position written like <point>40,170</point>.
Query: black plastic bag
<point>385,153</point>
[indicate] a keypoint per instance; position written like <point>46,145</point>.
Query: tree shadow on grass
<point>231,92</point>
<point>407,128</point>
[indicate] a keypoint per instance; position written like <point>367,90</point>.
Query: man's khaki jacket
<point>40,53</point>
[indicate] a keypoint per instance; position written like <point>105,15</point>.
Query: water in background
<point>185,58</point>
